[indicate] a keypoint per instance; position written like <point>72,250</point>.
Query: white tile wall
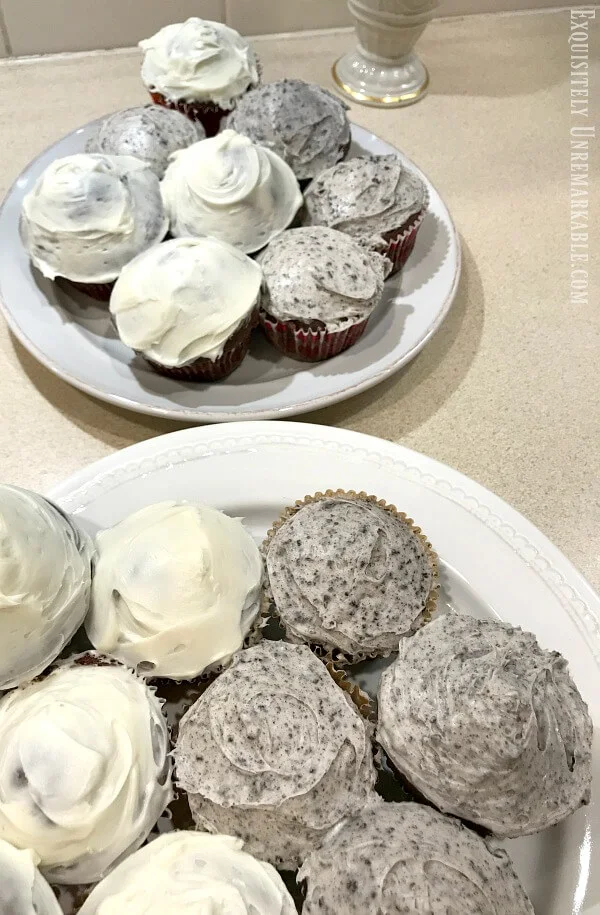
<point>43,26</point>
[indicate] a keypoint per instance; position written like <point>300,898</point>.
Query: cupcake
<point>23,890</point>
<point>402,858</point>
<point>45,579</point>
<point>185,873</point>
<point>84,771</point>
<point>487,725</point>
<point>200,68</point>
<point>349,574</point>
<point>176,590</point>
<point>375,199</point>
<point>304,124</point>
<point>231,189</point>
<point>320,288</point>
<point>89,215</point>
<point>188,307</point>
<point>148,133</point>
<point>274,752</point>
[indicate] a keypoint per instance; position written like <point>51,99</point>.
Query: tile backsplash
<point>47,26</point>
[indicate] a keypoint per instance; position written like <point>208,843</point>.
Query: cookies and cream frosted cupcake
<point>199,67</point>
<point>350,574</point>
<point>188,306</point>
<point>231,189</point>
<point>23,890</point>
<point>84,771</point>
<point>184,873</point>
<point>89,215</point>
<point>375,199</point>
<point>304,124</point>
<point>150,133</point>
<point>274,752</point>
<point>320,288</point>
<point>176,589</point>
<point>45,580</point>
<point>401,858</point>
<point>487,725</point>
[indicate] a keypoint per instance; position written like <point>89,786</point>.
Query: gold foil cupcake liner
<point>358,697</point>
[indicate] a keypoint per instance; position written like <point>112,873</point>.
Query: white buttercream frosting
<point>186,873</point>
<point>45,578</point>
<point>230,188</point>
<point>23,890</point>
<point>176,589</point>
<point>198,60</point>
<point>84,773</point>
<point>88,215</point>
<point>182,300</point>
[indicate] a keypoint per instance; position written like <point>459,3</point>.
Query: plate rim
<point>235,414</point>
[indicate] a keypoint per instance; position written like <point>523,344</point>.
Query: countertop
<point>508,391</point>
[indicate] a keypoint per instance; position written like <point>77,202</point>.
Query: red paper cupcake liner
<point>99,291</point>
<point>300,341</point>
<point>400,244</point>
<point>209,115</point>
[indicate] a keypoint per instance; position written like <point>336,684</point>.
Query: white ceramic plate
<point>73,337</point>
<point>494,563</point>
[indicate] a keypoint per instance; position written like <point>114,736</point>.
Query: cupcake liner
<point>399,243</point>
<point>99,291</point>
<point>209,114</point>
<point>360,699</point>
<point>329,653</point>
<point>308,344</point>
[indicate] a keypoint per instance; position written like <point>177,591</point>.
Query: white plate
<point>494,563</point>
<point>73,337</point>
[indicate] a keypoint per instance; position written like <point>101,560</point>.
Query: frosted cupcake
<point>23,890</point>
<point>487,725</point>
<point>350,574</point>
<point>176,589</point>
<point>89,215</point>
<point>231,189</point>
<point>185,873</point>
<point>149,133</point>
<point>319,290</point>
<point>274,752</point>
<point>188,307</point>
<point>374,199</point>
<point>304,124</point>
<point>199,67</point>
<point>84,772</point>
<point>45,580</point>
<point>401,858</point>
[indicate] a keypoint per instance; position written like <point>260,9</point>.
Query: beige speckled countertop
<point>508,391</point>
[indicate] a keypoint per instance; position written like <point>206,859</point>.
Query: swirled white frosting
<point>84,773</point>
<point>231,189</point>
<point>176,589</point>
<point>23,890</point>
<point>185,873</point>
<point>408,858</point>
<point>183,299</point>
<point>274,752</point>
<point>487,725</point>
<point>45,579</point>
<point>199,60</point>
<point>88,215</point>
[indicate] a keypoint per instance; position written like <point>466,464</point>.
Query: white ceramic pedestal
<point>383,70</point>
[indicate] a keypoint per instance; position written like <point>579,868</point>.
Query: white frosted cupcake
<point>89,215</point>
<point>231,189</point>
<point>45,580</point>
<point>186,873</point>
<point>84,771</point>
<point>176,589</point>
<point>199,67</point>
<point>188,307</point>
<point>23,890</point>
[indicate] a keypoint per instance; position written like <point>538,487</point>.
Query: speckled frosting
<point>318,274</point>
<point>149,133</point>
<point>407,859</point>
<point>348,574</point>
<point>487,725</point>
<point>365,197</point>
<point>23,890</point>
<point>303,123</point>
<point>274,752</point>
